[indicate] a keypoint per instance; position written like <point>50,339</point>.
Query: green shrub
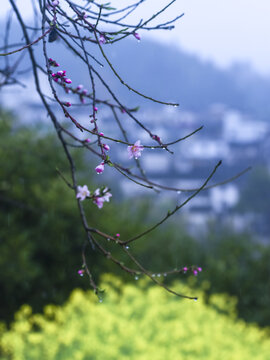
<point>39,223</point>
<point>134,322</point>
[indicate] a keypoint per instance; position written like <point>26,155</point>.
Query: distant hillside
<point>169,74</point>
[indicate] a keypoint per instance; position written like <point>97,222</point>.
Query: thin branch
<point>170,213</point>
<point>28,45</point>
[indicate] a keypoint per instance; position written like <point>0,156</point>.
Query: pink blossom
<point>67,104</point>
<point>81,272</point>
<point>199,269</point>
<point>97,192</point>
<point>100,168</point>
<point>102,39</point>
<point>195,272</point>
<point>185,269</point>
<point>135,150</point>
<point>106,147</point>
<point>137,36</point>
<point>106,196</point>
<point>87,140</point>
<point>53,62</point>
<point>155,137</point>
<point>95,109</point>
<point>118,235</point>
<point>82,192</point>
<point>79,87</point>
<point>59,74</point>
<point>99,200</point>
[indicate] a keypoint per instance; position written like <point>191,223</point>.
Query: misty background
<point>216,65</point>
<point>230,101</point>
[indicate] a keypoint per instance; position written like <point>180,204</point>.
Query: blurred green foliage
<point>40,232</point>
<point>255,191</point>
<point>232,263</point>
<point>41,236</point>
<point>254,197</point>
<point>134,322</point>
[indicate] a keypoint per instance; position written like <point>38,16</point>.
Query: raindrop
<point>175,105</point>
<point>152,148</point>
<point>164,148</point>
<point>100,300</point>
<point>178,192</point>
<point>136,277</point>
<point>127,247</point>
<point>164,274</point>
<point>158,275</point>
<point>101,66</point>
<point>109,239</point>
<point>195,299</point>
<point>153,275</point>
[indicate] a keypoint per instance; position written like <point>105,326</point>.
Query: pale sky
<point>224,32</point>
